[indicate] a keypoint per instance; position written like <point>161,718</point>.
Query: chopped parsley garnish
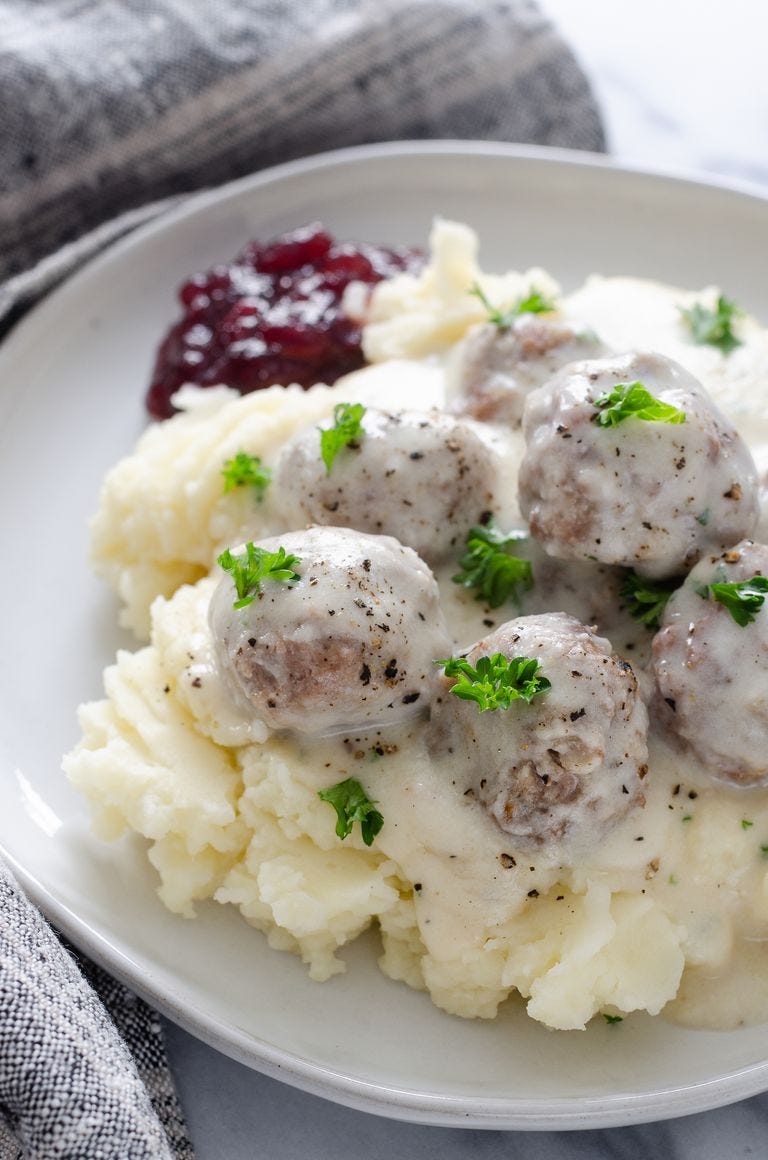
<point>713,327</point>
<point>246,470</point>
<point>633,401</point>
<point>647,599</point>
<point>489,565</point>
<point>746,824</point>
<point>764,850</point>
<point>533,303</point>
<point>496,682</point>
<point>347,427</point>
<point>352,804</point>
<point>613,1018</point>
<point>249,570</point>
<point>743,599</point>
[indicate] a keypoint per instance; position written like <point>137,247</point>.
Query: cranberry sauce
<point>274,315</point>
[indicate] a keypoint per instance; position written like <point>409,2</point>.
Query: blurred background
<point>680,84</point>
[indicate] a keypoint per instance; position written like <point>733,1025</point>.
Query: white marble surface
<point>235,1114</point>
<point>683,85</point>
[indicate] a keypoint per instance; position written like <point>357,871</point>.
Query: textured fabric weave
<point>112,110</point>
<point>69,1087</point>
<point>110,105</point>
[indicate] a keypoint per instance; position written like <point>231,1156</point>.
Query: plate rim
<point>199,200</point>
<point>547,1113</point>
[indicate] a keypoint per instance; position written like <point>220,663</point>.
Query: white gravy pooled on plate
<point>669,900</point>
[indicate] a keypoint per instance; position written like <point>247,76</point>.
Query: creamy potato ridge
<point>662,916</point>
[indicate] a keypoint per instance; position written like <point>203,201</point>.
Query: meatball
<point>350,645</point>
<point>423,477</point>
<point>712,673</point>
<point>653,496</point>
<point>560,771</point>
<point>497,367</point>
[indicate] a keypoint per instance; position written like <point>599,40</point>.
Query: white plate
<point>72,377</point>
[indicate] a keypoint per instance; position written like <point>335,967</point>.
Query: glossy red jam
<point>274,315</point>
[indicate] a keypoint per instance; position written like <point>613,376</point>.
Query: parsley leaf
<point>347,427</point>
<point>633,401</point>
<point>713,327</point>
<point>249,569</point>
<point>352,804</point>
<point>496,682</point>
<point>647,599</point>
<point>613,1018</point>
<point>489,565</point>
<point>743,599</point>
<point>246,470</point>
<point>533,303</point>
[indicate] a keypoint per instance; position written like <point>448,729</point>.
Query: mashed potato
<point>231,811</point>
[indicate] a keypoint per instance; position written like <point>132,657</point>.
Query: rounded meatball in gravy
<point>653,496</point>
<point>423,477</point>
<point>497,367</point>
<point>559,771</point>
<point>712,672</point>
<point>351,644</point>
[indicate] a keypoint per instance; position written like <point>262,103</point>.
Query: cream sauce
<point>697,848</point>
<point>688,850</point>
<point>694,849</point>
